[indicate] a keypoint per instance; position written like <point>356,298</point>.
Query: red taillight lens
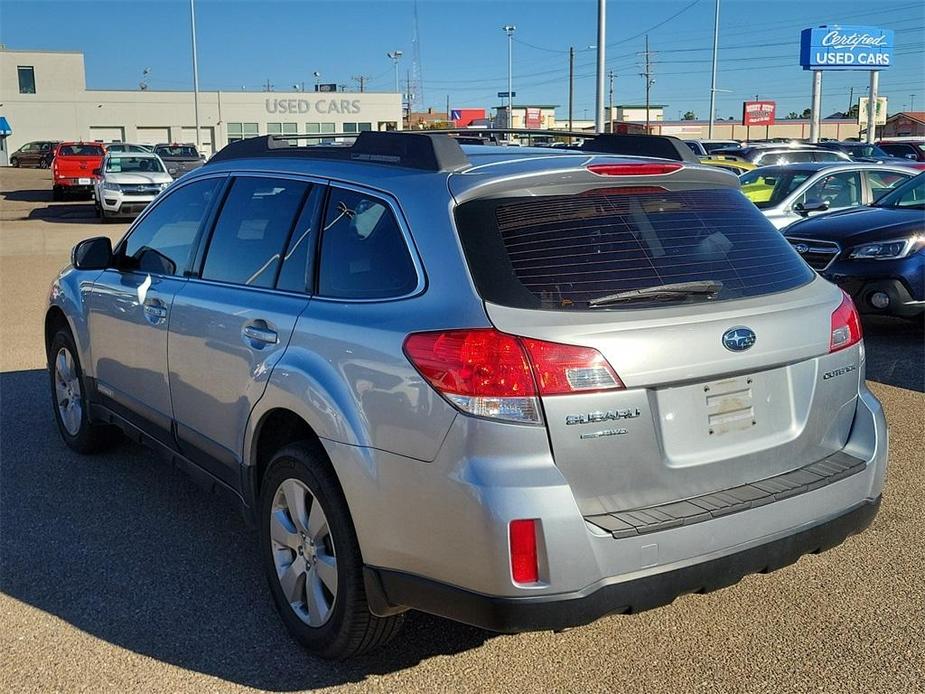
<point>846,325</point>
<point>649,169</point>
<point>565,369</point>
<point>491,374</point>
<point>524,563</point>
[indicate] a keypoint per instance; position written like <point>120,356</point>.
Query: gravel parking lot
<point>117,574</point>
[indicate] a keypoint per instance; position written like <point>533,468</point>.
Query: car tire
<point>69,399</point>
<point>317,554</point>
<point>14,162</point>
<point>57,194</point>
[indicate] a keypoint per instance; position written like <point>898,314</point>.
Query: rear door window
<point>882,181</point>
<point>839,190</point>
<point>252,230</point>
<point>558,252</point>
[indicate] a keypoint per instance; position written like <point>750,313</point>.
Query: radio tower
<point>416,84</point>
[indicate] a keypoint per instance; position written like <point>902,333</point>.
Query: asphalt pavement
<point>118,574</point>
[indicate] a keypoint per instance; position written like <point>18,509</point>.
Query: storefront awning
<point>5,128</point>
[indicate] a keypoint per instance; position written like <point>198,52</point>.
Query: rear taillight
<point>646,169</point>
<point>488,373</point>
<point>524,561</point>
<point>846,325</point>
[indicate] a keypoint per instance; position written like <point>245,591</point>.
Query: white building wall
<point>63,109</point>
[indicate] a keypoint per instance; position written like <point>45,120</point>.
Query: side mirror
<point>812,205</point>
<point>92,254</point>
<point>97,172</point>
<point>911,156</point>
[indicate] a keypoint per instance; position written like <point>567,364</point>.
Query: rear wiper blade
<point>706,288</point>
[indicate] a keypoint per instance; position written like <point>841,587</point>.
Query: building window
<point>26,79</point>
<point>311,128</point>
<point>241,131</point>
<point>274,128</point>
<point>363,127</point>
<point>350,127</point>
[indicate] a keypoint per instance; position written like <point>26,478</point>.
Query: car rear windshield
<point>80,151</point>
<point>178,152</point>
<point>559,252</point>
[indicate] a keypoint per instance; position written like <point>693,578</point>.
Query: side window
<point>363,252</point>
<point>882,181</point>
<point>839,190</point>
<point>826,156</point>
<point>300,252</point>
<point>163,241</point>
<point>252,230</point>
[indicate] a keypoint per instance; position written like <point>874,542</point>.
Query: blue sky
<point>244,43</point>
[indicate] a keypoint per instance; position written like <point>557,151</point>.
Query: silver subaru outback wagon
<point>519,388</point>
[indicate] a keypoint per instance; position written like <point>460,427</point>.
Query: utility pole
<point>408,98</point>
<point>647,74</point>
<point>192,16</point>
<point>448,119</point>
<point>395,56</point>
<point>850,102</point>
<point>571,85</point>
<point>872,106</point>
<point>362,80</point>
<point>610,103</point>
<point>912,102</point>
<point>509,29</point>
<point>713,80</point>
<point>601,50</point>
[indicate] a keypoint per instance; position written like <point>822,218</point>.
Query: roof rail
<point>414,150</point>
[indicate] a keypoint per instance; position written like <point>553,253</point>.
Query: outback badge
<point>738,339</point>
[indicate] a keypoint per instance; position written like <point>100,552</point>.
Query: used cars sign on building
<point>846,48</point>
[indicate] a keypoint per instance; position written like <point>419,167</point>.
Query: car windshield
<point>80,151</point>
<point>865,151</point>
<point>178,151</point>
<point>134,165</point>
<point>771,185</point>
<point>910,195</point>
<point>715,146</point>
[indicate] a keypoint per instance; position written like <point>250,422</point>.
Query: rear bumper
<point>563,610</point>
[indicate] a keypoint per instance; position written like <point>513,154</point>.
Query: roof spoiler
<point>661,146</point>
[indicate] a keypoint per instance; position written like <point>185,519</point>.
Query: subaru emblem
<point>801,248</point>
<point>738,339</point>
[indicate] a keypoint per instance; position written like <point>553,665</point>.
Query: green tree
<point>793,115</point>
<point>690,115</point>
<point>807,113</point>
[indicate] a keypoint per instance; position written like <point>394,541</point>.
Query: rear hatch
<point>722,370</point>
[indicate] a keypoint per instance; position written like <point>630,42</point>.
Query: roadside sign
<point>838,47</point>
<point>758,112</point>
<point>503,95</point>
<point>534,118</point>
<point>863,107</point>
<point>327,87</point>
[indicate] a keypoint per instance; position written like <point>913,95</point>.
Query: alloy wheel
<point>303,552</point>
<point>67,391</point>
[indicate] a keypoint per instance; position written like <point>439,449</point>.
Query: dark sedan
<point>876,253</point>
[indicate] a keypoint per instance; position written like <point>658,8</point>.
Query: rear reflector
<point>488,373</point>
<point>524,563</point>
<point>648,169</point>
<point>846,325</point>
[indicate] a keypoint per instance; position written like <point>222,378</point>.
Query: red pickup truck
<point>73,167</point>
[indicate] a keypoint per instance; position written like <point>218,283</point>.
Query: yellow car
<point>736,165</point>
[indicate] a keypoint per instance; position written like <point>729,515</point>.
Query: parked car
<point>875,253</point>
<point>704,148</point>
<point>911,149</point>
<point>34,154</point>
<point>126,182</point>
<point>766,155</point>
<point>732,164</point>
<point>179,159</point>
<point>127,147</point>
<point>521,389</point>
<point>788,193</point>
<point>862,151</point>
<point>73,166</point>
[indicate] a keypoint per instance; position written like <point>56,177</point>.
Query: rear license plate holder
<point>729,405</point>
<point>83,181</point>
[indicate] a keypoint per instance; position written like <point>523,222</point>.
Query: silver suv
<point>518,388</point>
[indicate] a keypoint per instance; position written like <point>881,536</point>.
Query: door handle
<point>260,334</point>
<point>155,309</point>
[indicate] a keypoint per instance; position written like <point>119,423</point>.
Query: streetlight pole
<point>395,56</point>
<point>571,85</point>
<point>713,80</point>
<point>192,15</point>
<point>610,104</point>
<point>317,80</point>
<point>509,29</point>
<point>601,50</point>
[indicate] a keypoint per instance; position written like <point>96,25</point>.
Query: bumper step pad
<point>652,519</point>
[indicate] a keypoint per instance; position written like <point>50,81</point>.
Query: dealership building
<point>43,96</point>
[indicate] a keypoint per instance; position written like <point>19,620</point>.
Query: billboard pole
<point>817,106</point>
<point>713,81</point>
<point>872,106</point>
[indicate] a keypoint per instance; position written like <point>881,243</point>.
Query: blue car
<point>875,253</point>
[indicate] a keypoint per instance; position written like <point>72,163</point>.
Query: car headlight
<point>164,185</point>
<point>115,187</point>
<point>888,250</point>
